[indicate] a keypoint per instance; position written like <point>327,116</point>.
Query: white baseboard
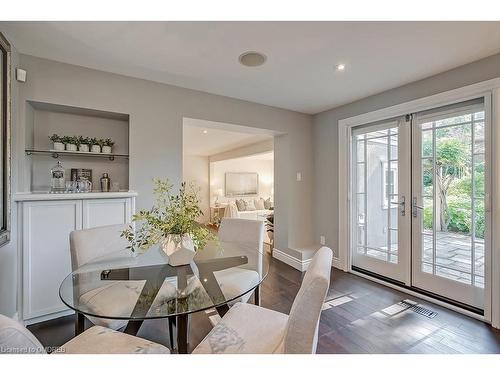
<point>336,263</point>
<point>298,264</point>
<point>48,317</point>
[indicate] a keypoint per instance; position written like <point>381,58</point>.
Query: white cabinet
<point>46,257</point>
<point>99,212</point>
<point>44,241</point>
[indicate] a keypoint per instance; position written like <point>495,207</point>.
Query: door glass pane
<point>376,206</point>
<point>452,196</point>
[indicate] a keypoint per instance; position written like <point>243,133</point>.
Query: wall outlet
<point>322,240</point>
<point>299,176</point>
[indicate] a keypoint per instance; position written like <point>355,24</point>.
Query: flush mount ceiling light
<point>252,59</point>
<point>340,67</point>
<point>205,131</point>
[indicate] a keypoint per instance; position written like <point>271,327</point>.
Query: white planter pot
<point>95,148</point>
<point>83,148</point>
<point>71,147</point>
<point>106,149</point>
<point>180,249</point>
<point>58,146</point>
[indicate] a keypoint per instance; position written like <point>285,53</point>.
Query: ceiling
<point>214,141</point>
<point>299,73</point>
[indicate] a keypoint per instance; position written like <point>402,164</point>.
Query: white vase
<point>71,147</point>
<point>106,149</point>
<point>95,148</point>
<point>83,148</point>
<point>58,146</point>
<point>179,249</point>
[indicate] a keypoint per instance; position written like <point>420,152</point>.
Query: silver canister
<point>105,182</point>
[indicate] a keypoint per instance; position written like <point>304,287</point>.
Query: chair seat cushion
<point>102,340</point>
<point>118,299</point>
<point>246,329</point>
<point>235,281</point>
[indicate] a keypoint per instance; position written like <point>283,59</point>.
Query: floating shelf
<point>56,154</point>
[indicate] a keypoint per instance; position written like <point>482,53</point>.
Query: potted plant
<point>70,143</point>
<point>94,145</point>
<point>58,144</point>
<point>83,144</point>
<point>171,223</point>
<point>107,145</point>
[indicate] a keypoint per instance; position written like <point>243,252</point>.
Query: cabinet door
<point>46,254</point>
<point>99,212</point>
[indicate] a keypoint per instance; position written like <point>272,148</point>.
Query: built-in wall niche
<point>45,119</point>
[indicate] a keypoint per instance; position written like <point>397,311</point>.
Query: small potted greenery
<point>70,143</point>
<point>57,142</point>
<point>94,145</point>
<point>83,144</point>
<point>171,223</point>
<point>107,145</point>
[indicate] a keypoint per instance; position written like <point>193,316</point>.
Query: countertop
<point>46,196</point>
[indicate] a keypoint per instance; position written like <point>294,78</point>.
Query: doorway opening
<point>233,168</point>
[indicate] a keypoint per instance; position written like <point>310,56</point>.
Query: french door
<point>381,183</point>
<point>419,210</point>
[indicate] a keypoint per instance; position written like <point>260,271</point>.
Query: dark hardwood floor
<point>360,317</point>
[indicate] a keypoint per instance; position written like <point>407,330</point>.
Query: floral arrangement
<point>171,214</point>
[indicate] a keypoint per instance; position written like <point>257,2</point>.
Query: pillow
<point>268,204</point>
<point>259,204</point>
<point>240,203</point>
<point>250,206</point>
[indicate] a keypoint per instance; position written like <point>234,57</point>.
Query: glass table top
<point>123,285</point>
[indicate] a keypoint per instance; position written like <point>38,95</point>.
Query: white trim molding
<point>298,264</point>
<point>491,89</point>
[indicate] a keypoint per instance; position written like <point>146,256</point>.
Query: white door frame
<point>486,88</point>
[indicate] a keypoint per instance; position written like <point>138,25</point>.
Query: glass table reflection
<point>136,287</point>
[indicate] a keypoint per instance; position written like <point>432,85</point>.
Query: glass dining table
<point>135,287</point>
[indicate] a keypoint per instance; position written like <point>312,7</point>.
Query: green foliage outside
<point>454,184</point>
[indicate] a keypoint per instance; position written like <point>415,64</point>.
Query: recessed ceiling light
<point>205,131</point>
<point>252,59</point>
<point>340,67</point>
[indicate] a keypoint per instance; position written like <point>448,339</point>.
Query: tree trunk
<point>444,221</point>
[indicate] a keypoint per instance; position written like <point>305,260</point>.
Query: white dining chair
<point>249,233</point>
<point>17,339</point>
<point>120,297</point>
<point>252,329</point>
<point>116,299</point>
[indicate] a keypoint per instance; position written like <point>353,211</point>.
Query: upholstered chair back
<point>301,335</point>
<point>16,339</point>
<point>88,244</point>
<point>248,232</point>
<point>242,230</point>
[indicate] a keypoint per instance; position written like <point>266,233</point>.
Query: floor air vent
<point>415,307</point>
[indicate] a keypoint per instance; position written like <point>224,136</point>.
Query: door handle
<point>415,207</point>
<point>402,206</point>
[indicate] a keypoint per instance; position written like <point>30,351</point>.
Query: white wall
<point>195,170</point>
<point>265,169</point>
<point>156,113</point>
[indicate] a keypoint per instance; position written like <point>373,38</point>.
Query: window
<point>4,143</point>
<point>389,184</point>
